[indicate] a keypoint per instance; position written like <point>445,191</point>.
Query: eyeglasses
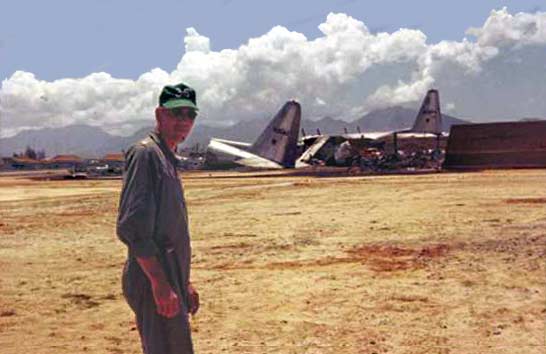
<point>183,113</point>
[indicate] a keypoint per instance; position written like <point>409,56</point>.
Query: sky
<point>103,62</point>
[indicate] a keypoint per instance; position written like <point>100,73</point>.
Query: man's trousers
<point>158,334</point>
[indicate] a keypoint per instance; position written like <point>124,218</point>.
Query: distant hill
<point>396,118</point>
<point>82,140</point>
<point>326,125</point>
<point>87,141</point>
<point>201,134</point>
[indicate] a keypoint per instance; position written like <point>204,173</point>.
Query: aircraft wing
<point>232,142</point>
<point>237,154</point>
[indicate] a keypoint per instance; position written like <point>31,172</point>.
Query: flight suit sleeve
<point>137,207</point>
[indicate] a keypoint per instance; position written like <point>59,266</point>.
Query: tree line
<point>31,154</point>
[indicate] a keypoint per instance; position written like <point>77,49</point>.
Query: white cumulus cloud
<point>505,29</point>
<point>345,72</point>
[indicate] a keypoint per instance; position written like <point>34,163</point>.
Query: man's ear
<point>158,113</point>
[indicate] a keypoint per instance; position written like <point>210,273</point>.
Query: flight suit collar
<point>173,157</point>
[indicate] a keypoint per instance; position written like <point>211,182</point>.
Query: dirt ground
<point>436,263</point>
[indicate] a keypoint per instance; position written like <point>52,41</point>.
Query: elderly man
<point>153,223</point>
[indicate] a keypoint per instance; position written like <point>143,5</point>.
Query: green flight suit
<point>153,221</point>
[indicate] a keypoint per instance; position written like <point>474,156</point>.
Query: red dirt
<point>392,258</point>
<point>526,201</point>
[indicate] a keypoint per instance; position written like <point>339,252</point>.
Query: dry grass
<point>441,263</point>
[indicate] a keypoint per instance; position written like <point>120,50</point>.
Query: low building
<point>114,160</point>
<point>65,161</point>
<point>25,163</point>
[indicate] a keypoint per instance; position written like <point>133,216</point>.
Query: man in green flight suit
<point>153,223</point>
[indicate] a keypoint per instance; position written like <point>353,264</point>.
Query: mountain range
<point>92,141</point>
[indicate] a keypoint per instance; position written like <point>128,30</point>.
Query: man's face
<point>174,124</point>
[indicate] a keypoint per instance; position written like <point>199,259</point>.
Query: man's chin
<point>179,138</point>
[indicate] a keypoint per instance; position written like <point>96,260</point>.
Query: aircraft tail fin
<point>278,142</point>
<point>429,118</point>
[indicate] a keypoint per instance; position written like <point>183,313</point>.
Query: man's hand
<point>193,299</point>
<point>166,301</point>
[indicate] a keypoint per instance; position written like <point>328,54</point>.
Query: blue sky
<point>70,38</point>
<point>103,62</point>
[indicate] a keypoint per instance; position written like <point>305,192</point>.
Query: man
<point>153,223</point>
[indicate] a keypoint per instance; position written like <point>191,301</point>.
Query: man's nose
<point>184,123</point>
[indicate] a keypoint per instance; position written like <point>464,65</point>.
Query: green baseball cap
<point>180,95</point>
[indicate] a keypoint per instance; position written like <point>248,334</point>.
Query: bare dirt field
<point>436,263</point>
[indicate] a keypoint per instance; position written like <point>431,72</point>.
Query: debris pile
<point>377,158</point>
<point>378,161</point>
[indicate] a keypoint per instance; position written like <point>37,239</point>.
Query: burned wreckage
<point>419,147</point>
